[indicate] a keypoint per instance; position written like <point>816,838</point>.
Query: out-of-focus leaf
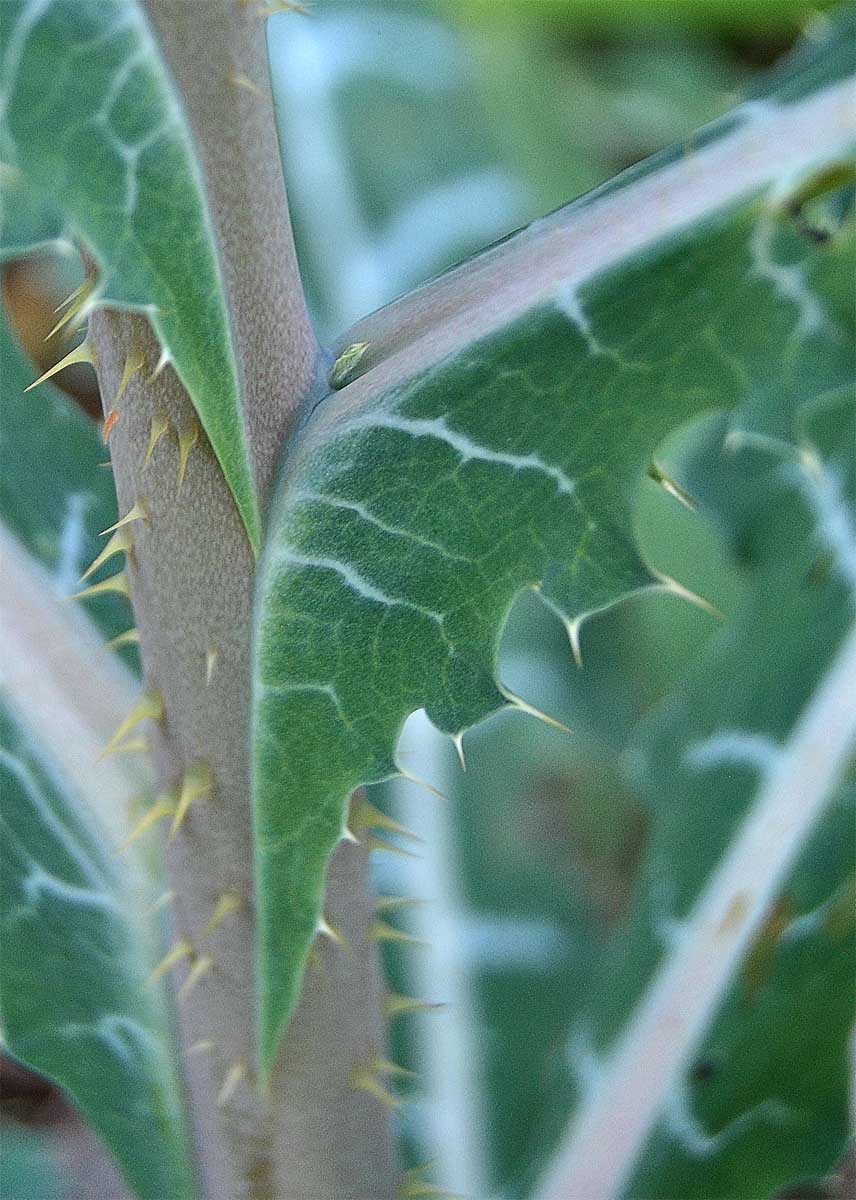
<point>92,130</point>
<point>494,449</point>
<point>75,953</point>
<point>764,1100</point>
<point>415,134</point>
<point>55,495</point>
<point>757,16</point>
<point>393,170</point>
<point>26,1170</point>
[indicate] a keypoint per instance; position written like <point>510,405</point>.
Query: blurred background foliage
<point>413,134</point>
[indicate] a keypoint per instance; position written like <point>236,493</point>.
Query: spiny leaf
<point>744,772</point>
<point>500,450</point>
<point>106,152</point>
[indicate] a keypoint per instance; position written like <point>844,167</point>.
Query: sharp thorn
<point>149,707</point>
<point>163,361</point>
<point>136,513</point>
<point>160,424</point>
<point>197,782</point>
<point>200,968</point>
<point>188,436</point>
<point>574,627</point>
<point>120,543</point>
<point>212,658</point>
<point>671,487</point>
<point>381,931</point>
<point>392,903</point>
<point>138,745</point>
<point>229,902</point>
<point>458,743</point>
<point>85,352</point>
<point>362,1080</point>
<point>395,1005</point>
<point>124,639</point>
<point>411,778</point>
<point>164,806</point>
<point>236,1073</point>
<point>366,816</point>
<point>667,584</point>
<point>117,583</point>
<point>243,81</point>
<point>75,305</point>
<point>368,1077</point>
<point>71,297</point>
<point>134,362</point>
<point>524,706</point>
<point>181,950</point>
<point>331,932</point>
<point>379,846</point>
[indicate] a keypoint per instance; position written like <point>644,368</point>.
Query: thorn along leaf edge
<point>357,575</point>
<point>142,215</point>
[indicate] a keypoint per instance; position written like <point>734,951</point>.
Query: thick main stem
<point>191,570</point>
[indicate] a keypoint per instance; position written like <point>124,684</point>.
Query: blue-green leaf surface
<point>94,140</point>
<point>75,954</point>
<point>763,1100</point>
<point>55,494</point>
<point>413,513</point>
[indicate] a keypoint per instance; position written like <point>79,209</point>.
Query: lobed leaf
<point>494,441</point>
<point>94,139</point>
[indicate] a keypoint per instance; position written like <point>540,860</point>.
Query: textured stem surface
<point>191,571</point>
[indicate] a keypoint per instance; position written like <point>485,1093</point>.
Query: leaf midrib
<point>587,238</point>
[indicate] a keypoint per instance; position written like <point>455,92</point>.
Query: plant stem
<point>216,53</point>
<point>191,571</point>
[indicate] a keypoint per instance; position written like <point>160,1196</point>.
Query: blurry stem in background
<point>312,137</point>
<point>65,686</point>
<point>629,1092</point>
<point>450,1062</point>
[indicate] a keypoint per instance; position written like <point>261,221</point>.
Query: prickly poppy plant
<point>446,784</point>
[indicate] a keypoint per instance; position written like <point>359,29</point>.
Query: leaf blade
<point>427,494</point>
<point>107,145</point>
<point>71,918</point>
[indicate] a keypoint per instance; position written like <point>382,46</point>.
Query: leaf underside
<point>402,536</point>
<point>96,150</point>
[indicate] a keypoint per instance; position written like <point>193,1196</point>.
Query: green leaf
<point>74,958</point>
<point>494,124</point>
<point>92,130</point>
<point>493,441</point>
<point>764,724</point>
<point>59,497</point>
<point>26,1170</point>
